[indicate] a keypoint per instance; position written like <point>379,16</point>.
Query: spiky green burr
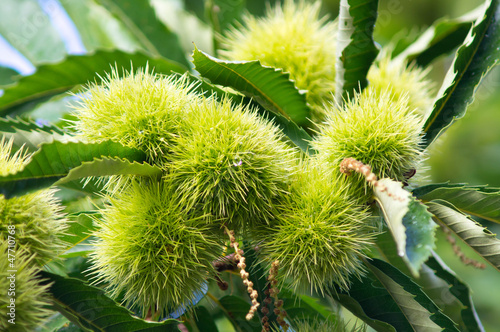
<point>320,233</point>
<point>291,37</point>
<point>230,163</point>
<point>24,300</point>
<point>375,129</point>
<point>406,82</point>
<point>140,110</point>
<point>152,252</point>
<point>37,217</point>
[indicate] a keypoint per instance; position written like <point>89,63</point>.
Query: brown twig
<point>350,164</point>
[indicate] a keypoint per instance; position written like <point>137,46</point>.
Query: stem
<point>350,164</point>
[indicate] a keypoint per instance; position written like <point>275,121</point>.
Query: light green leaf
<point>98,28</point>
<point>356,48</point>
<point>28,29</point>
<point>268,86</point>
<point>295,133</point>
<point>58,163</point>
<point>420,235</point>
<point>480,201</point>
<point>54,323</point>
<point>411,225</point>
<point>474,59</point>
<point>442,37</point>
<point>459,290</point>
<point>474,235</point>
<point>140,18</point>
<point>56,110</point>
<point>92,310</point>
<point>394,202</point>
<point>54,78</point>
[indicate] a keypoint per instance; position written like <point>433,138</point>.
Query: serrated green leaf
<point>54,78</point>
<point>140,18</point>
<point>411,225</point>
<point>295,133</point>
<point>109,166</point>
<point>268,86</point>
<point>474,235</point>
<point>25,25</point>
<point>442,37</point>
<point>421,313</point>
<point>59,163</point>
<point>459,290</point>
<point>203,320</point>
<point>91,309</point>
<point>11,125</point>
<point>356,48</point>
<point>394,201</point>
<point>474,59</point>
<point>29,134</point>
<point>420,235</point>
<point>480,201</point>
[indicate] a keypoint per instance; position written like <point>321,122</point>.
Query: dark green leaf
<point>57,163</point>
<point>304,308</point>
<point>203,320</point>
<point>474,235</point>
<point>368,300</point>
<point>54,78</point>
<point>80,228</point>
<point>421,313</point>
<point>140,18</point>
<point>27,28</point>
<point>270,87</point>
<point>235,308</point>
<point>91,309</point>
<point>222,14</point>
<point>480,201</point>
<point>387,296</point>
<point>440,38</point>
<point>474,59</point>
<point>460,290</point>
<point>295,133</point>
<point>356,48</point>
<point>7,75</point>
